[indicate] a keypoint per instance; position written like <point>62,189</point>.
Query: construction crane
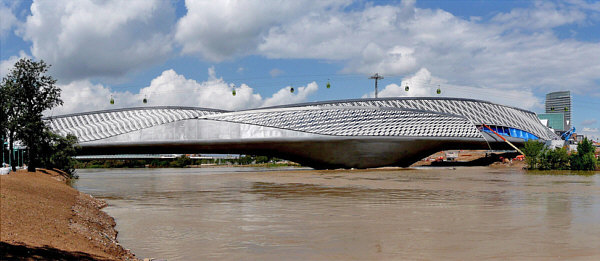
<point>567,135</point>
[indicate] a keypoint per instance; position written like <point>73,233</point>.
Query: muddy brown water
<point>468,213</point>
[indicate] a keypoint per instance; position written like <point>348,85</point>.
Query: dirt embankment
<point>472,158</point>
<point>41,217</point>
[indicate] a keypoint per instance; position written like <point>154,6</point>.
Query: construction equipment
<point>505,140</point>
<point>567,135</point>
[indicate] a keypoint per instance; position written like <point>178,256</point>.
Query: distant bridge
<point>359,133</point>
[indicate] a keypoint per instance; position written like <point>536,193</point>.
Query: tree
<point>534,151</point>
<point>180,162</point>
<point>556,158</point>
<point>11,113</point>
<point>33,93</point>
<point>57,152</point>
<point>3,116</point>
<point>262,159</point>
<point>3,112</point>
<point>584,159</point>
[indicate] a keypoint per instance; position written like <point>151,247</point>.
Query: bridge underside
<point>321,153</point>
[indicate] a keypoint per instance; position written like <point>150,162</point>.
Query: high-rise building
<point>560,102</point>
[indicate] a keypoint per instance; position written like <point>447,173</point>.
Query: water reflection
<point>467,213</point>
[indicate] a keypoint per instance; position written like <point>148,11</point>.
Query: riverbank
<point>44,218</point>
<point>471,158</point>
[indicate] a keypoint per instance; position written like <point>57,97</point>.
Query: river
<point>384,214</point>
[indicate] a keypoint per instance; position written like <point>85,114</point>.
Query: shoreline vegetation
<point>465,158</point>
<point>539,157</point>
<point>42,217</point>
<point>184,161</point>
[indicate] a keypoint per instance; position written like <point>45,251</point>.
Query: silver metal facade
<point>349,133</point>
<point>104,124</point>
<point>479,112</point>
<point>358,121</point>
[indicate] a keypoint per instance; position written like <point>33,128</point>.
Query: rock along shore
<point>41,217</point>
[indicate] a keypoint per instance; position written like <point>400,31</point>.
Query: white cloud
<point>218,30</point>
<point>511,52</point>
<point>285,96</point>
<point>82,96</point>
<point>592,133</point>
<point>7,20</point>
<point>542,16</point>
<point>7,65</point>
<point>589,122</point>
<point>397,60</point>
<point>593,6</point>
<point>172,89</point>
<point>398,40</point>
<point>423,84</point>
<point>275,72</point>
<point>88,38</point>
<point>337,35</point>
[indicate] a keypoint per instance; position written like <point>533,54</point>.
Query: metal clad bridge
<point>359,133</point>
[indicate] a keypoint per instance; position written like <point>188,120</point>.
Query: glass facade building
<point>556,121</point>
<point>560,102</point>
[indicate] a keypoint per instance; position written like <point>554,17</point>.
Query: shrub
<point>533,152</point>
<point>538,156</point>
<point>57,152</point>
<point>262,159</point>
<point>555,159</point>
<point>584,159</point>
<point>180,162</point>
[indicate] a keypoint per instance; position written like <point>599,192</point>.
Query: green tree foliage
<point>159,163</point>
<point>245,160</point>
<point>32,92</point>
<point>540,157</point>
<point>93,164</point>
<point>584,159</point>
<point>25,93</point>
<point>3,116</point>
<point>60,153</point>
<point>533,153</point>
<point>180,162</point>
<point>262,159</point>
<point>4,99</point>
<point>555,159</point>
<point>585,146</point>
<point>10,116</point>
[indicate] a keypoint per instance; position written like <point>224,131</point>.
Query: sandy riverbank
<point>41,217</point>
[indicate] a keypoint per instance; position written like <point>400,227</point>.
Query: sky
<point>195,53</point>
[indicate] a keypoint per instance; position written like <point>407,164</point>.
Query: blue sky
<point>195,53</point>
